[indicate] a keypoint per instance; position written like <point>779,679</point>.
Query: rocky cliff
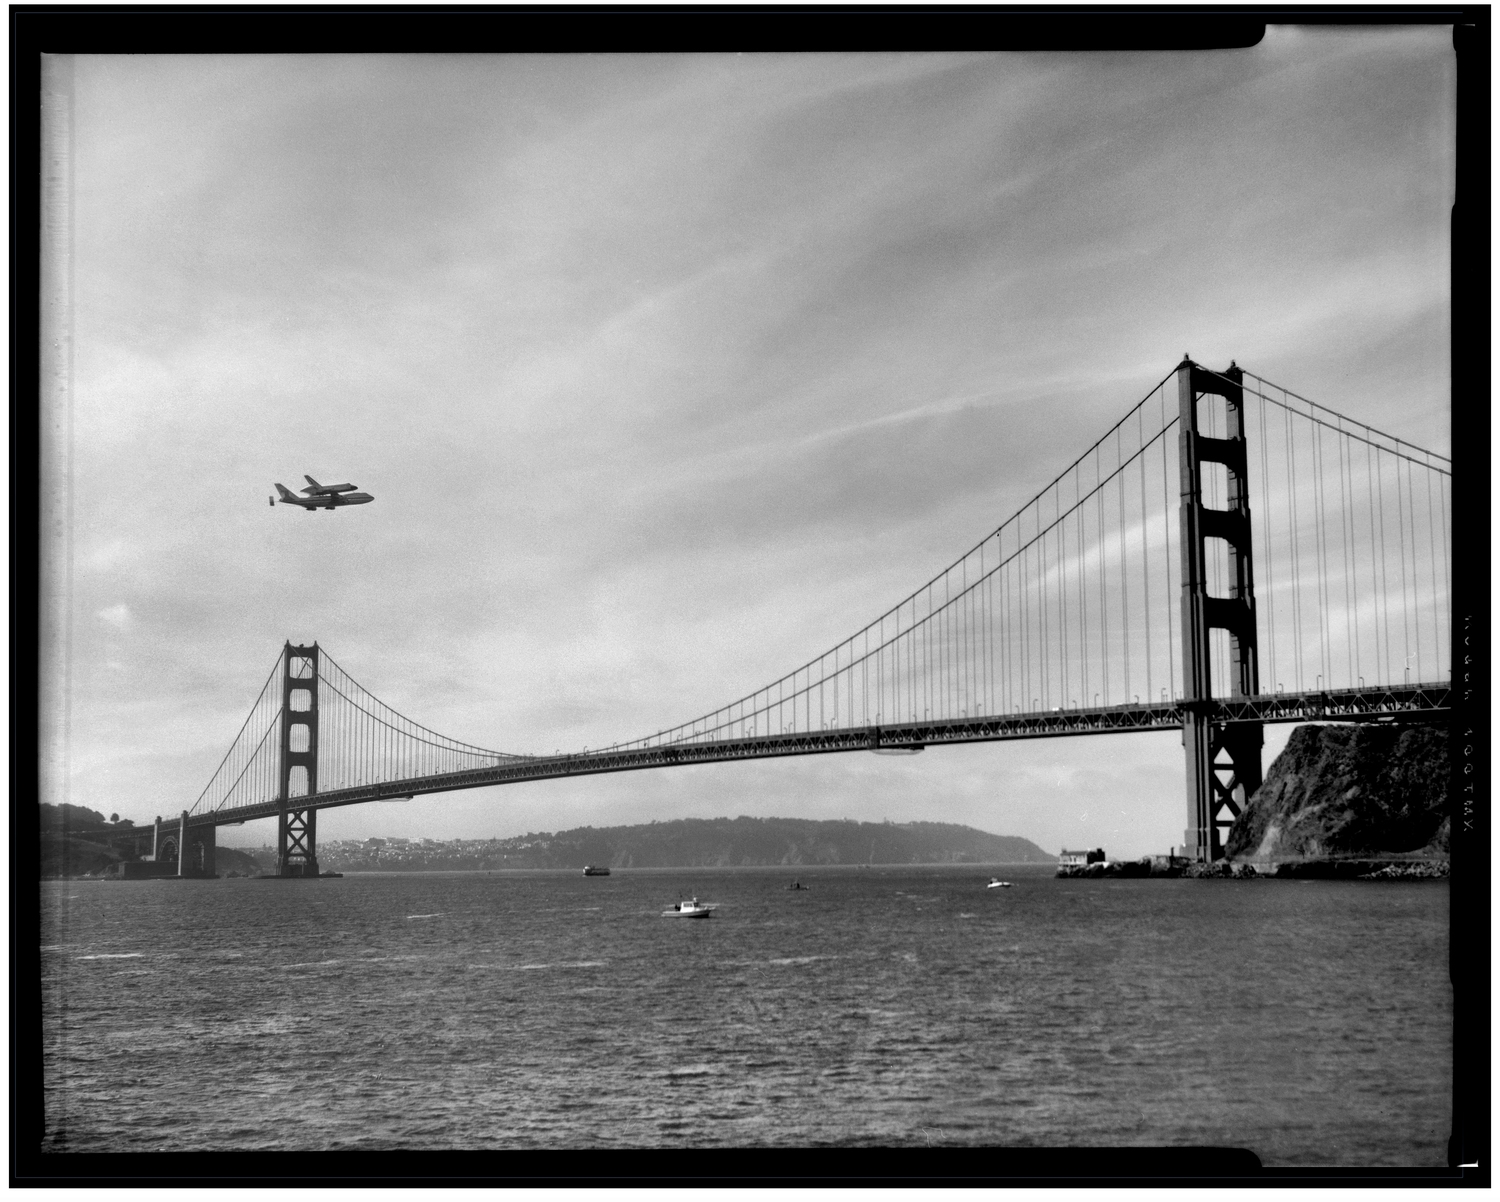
<point>1349,791</point>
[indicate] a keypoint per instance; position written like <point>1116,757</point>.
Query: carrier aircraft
<point>322,496</point>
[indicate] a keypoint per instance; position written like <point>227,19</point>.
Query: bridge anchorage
<point>1060,622</point>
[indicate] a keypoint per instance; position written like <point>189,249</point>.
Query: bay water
<point>1308,1021</point>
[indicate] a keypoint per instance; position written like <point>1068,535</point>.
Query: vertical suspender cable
<point>1062,594</point>
<point>1346,525</point>
<point>1374,555</point>
<point>1043,650</point>
<point>981,630</point>
<point>910,637</point>
<point>1416,603</point>
<point>864,677</point>
<point>927,674</point>
<point>1001,648</point>
<point>992,701</point>
<point>1325,658</point>
<point>1437,617</point>
<point>965,701</point>
<point>1028,578</point>
<point>1013,685</point>
<point>1166,545</point>
<point>973,623</point>
<point>979,638</point>
<point>994,691</point>
<point>1145,557</point>
<point>1083,572</point>
<point>952,678</point>
<point>1384,587</point>
<point>1447,587</point>
<point>1023,588</point>
<point>1103,578</point>
<point>1015,583</point>
<point>1401,536</point>
<point>1064,651</point>
<point>1124,568</point>
<point>1292,533</point>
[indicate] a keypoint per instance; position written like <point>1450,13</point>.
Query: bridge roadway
<point>1344,705</point>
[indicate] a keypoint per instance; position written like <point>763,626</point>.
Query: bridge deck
<point>1344,705</point>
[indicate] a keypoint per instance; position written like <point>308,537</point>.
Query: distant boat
<point>690,909</point>
<point>997,883</point>
<point>590,870</point>
<point>797,885</point>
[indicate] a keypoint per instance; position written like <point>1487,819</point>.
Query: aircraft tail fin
<point>311,481</point>
<point>286,493</point>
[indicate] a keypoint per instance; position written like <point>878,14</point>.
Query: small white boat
<point>997,883</point>
<point>690,909</point>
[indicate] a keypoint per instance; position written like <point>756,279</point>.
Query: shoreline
<point>1366,868</point>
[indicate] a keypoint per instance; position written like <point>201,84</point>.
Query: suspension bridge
<point>1139,590</point>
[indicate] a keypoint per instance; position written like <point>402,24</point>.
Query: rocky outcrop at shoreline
<point>1343,793</point>
<point>1418,870</point>
<point>1362,802</point>
<point>1323,870</point>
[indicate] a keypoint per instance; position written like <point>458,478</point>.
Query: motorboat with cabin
<point>692,908</point>
<point>997,883</point>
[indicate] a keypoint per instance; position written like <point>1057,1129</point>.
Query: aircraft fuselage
<point>333,502</point>
<point>323,497</point>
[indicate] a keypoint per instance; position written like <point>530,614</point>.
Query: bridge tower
<point>297,827</point>
<point>1223,759</point>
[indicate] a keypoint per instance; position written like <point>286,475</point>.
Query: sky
<point>668,373</point>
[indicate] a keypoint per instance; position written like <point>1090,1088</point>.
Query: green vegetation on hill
<point>234,861</point>
<point>79,818</point>
<point>64,852</point>
<point>75,842</point>
<point>1340,792</point>
<point>699,843</point>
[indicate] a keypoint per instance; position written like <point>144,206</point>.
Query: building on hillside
<point>1080,859</point>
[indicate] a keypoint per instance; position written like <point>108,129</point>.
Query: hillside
<point>234,861</point>
<point>64,853</point>
<point>1337,792</point>
<point>700,843</point>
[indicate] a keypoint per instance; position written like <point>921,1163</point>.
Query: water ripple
<point>550,1015</point>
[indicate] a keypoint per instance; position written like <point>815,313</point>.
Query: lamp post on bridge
<point>1215,787</point>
